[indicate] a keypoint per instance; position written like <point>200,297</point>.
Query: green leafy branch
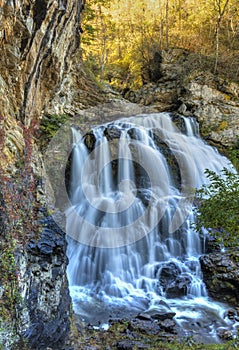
<point>218,207</point>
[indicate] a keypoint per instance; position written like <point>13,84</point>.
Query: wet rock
<point>157,314</point>
<point>221,276</point>
<point>168,273</point>
<point>144,316</point>
<point>112,132</point>
<point>174,283</point>
<point>179,287</point>
<point>178,121</point>
<point>168,325</point>
<point>89,140</point>
<point>211,245</point>
<point>160,324</point>
<point>224,334</point>
<point>232,314</point>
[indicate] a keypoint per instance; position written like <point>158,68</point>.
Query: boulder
<point>221,276</point>
<point>175,283</point>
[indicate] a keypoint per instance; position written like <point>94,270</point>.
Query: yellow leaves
<point>128,33</point>
<point>222,126</point>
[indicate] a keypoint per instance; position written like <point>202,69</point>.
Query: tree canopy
<point>121,36</point>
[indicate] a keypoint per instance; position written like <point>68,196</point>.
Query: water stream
<point>131,243</point>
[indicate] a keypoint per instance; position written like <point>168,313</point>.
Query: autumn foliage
<point>121,37</point>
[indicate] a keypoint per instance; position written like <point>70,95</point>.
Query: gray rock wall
<point>44,314</point>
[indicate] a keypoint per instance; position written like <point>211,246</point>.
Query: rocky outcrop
<point>45,321</point>
<point>221,276</point>
<point>40,65</point>
<point>184,88</point>
<point>41,73</point>
<point>214,102</point>
<point>38,309</point>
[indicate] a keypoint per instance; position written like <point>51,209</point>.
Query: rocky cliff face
<point>45,317</point>
<point>184,87</point>
<point>40,73</point>
<point>40,64</point>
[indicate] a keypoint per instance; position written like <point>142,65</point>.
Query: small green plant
<point>218,207</point>
<point>9,281</point>
<point>233,154</point>
<point>49,126</point>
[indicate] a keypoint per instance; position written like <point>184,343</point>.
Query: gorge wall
<point>40,65</point>
<point>41,73</point>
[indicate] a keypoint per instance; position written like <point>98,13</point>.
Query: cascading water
<point>131,245</point>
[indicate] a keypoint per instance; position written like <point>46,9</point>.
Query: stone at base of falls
<point>221,276</point>
<point>156,314</point>
<point>175,283</point>
<point>47,303</point>
<point>224,334</point>
<point>179,287</point>
<point>166,329</point>
<point>157,320</point>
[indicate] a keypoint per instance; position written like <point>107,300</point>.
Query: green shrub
<point>49,126</point>
<point>218,207</point>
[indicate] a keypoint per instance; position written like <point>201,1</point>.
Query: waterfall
<point>131,242</point>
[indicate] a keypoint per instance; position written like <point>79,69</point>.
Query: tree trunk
<point>221,10</point>
<point>167,41</point>
<point>217,43</point>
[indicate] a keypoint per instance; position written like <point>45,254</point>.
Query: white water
<point>131,221</point>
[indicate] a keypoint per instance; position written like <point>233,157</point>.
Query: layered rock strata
<point>184,87</point>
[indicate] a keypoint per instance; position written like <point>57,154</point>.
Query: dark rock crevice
<point>39,13</point>
<point>33,79</point>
